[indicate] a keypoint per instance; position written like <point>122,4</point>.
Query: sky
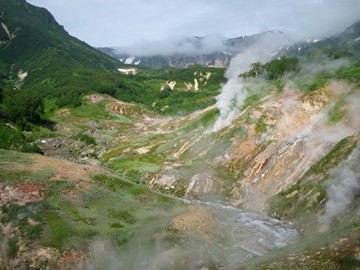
<point>121,23</point>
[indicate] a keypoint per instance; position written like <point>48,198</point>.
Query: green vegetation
<point>58,70</point>
<point>261,126</point>
<point>145,88</point>
<point>69,217</point>
<point>337,112</point>
<point>274,69</point>
<point>204,121</point>
<point>85,138</point>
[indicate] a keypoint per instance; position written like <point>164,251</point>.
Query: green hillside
<point>35,42</point>
<point>55,64</point>
<point>43,68</point>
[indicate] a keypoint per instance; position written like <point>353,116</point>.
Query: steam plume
<point>342,190</point>
<point>233,93</point>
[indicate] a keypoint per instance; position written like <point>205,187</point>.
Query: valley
<point>243,165</point>
<point>111,166</point>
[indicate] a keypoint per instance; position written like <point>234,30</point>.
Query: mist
<point>208,236</point>
<point>176,45</point>
<point>342,189</point>
<point>233,92</point>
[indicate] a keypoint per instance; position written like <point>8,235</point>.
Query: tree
<point>256,68</point>
<point>277,68</point>
<point>274,69</point>
<point>23,107</point>
<point>165,92</point>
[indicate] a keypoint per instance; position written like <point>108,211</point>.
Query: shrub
<point>85,138</point>
<point>24,106</point>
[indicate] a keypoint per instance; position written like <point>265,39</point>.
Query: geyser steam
<point>233,93</point>
<point>343,188</point>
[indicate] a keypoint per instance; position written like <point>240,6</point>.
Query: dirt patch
<point>54,168</point>
<point>198,222</point>
<point>71,259</point>
<point>74,192</point>
<point>93,99</point>
<point>64,112</point>
<point>243,154</point>
<point>20,194</point>
<point>63,169</point>
<point>124,108</point>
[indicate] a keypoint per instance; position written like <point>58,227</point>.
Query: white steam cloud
<point>343,188</point>
<point>233,93</point>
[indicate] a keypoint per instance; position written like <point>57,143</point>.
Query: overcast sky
<point>122,23</point>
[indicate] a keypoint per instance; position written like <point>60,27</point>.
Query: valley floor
<point>120,170</point>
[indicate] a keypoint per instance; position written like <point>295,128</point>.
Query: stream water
<point>250,234</point>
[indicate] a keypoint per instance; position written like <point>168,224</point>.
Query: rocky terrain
<point>276,145</point>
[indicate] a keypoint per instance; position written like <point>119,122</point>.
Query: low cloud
<point>175,45</point>
<point>124,22</point>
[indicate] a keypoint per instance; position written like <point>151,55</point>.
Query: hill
<point>32,41</point>
<point>43,68</point>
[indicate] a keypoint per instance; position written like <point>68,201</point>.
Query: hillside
<point>43,68</point>
<point>39,56</point>
<point>32,41</point>
<point>345,42</point>
<point>255,167</point>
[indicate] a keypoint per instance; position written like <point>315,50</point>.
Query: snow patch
<point>171,84</point>
<point>6,29</point>
<point>208,75</point>
<point>357,39</point>
<point>188,85</point>
<point>129,60</point>
<point>22,75</point>
<point>196,84</point>
<point>128,71</point>
<point>312,40</point>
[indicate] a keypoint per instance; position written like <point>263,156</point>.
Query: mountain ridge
<point>190,51</point>
<point>347,40</point>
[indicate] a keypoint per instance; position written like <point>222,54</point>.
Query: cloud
<point>122,23</point>
<point>175,45</point>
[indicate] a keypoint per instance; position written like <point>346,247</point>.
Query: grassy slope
<point>68,212</point>
<point>41,43</point>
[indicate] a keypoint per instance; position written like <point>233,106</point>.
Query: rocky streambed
<point>244,234</point>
